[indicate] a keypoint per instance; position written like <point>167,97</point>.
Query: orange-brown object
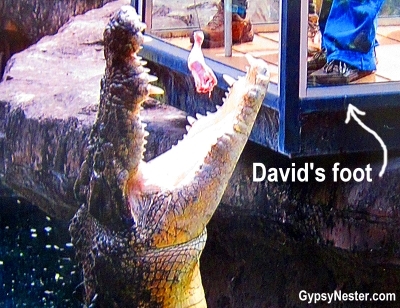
<point>12,40</point>
<point>242,30</point>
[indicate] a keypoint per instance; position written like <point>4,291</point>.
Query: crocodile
<point>141,226</point>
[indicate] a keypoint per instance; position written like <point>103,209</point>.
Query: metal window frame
<point>310,121</point>
<point>304,109</point>
<point>337,91</point>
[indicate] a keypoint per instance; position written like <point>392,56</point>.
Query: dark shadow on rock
<point>252,262</point>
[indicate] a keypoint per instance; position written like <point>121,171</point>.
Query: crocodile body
<point>141,227</point>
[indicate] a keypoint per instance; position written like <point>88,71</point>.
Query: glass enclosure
<point>174,21</point>
<point>295,104</point>
<point>173,18</point>
<point>387,73</point>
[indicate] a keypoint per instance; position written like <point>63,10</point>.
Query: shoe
<point>314,35</point>
<point>317,61</point>
<point>338,73</point>
<point>242,30</point>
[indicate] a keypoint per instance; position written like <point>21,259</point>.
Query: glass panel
<point>264,11</point>
<point>184,14</point>
<point>175,21</point>
<point>390,8</point>
<point>348,34</point>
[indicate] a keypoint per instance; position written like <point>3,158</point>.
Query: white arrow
<point>352,111</point>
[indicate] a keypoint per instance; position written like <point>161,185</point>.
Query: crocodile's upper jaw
<point>177,166</point>
<point>192,176</point>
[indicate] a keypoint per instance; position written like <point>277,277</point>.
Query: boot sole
<point>339,80</point>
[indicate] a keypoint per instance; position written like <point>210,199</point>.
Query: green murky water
<point>37,267</point>
<point>247,263</point>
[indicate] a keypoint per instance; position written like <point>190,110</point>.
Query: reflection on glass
<point>353,42</point>
<point>254,28</point>
<point>181,14</point>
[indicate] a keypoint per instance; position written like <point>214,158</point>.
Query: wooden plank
<point>266,45</point>
<point>392,32</point>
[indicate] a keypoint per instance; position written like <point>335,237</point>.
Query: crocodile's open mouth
<point>178,165</point>
<point>141,229</point>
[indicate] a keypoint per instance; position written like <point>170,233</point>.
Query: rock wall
<point>48,103</point>
<point>24,22</point>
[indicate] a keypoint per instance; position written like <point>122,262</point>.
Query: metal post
<point>228,27</point>
<point>144,8</point>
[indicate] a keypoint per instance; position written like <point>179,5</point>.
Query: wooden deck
<point>265,46</point>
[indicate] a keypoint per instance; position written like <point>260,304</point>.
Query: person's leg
<point>349,39</point>
<point>350,32</point>
<point>314,34</point>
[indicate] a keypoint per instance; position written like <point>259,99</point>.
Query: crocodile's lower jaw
<point>117,274</point>
<point>141,229</point>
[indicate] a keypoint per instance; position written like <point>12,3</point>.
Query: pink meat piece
<point>204,77</point>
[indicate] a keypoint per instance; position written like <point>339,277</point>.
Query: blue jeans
<point>350,32</point>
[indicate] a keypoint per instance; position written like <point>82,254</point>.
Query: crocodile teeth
<point>229,80</point>
<point>191,120</point>
<point>143,62</point>
<point>147,70</point>
<point>250,59</point>
<point>153,90</point>
<point>152,78</point>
